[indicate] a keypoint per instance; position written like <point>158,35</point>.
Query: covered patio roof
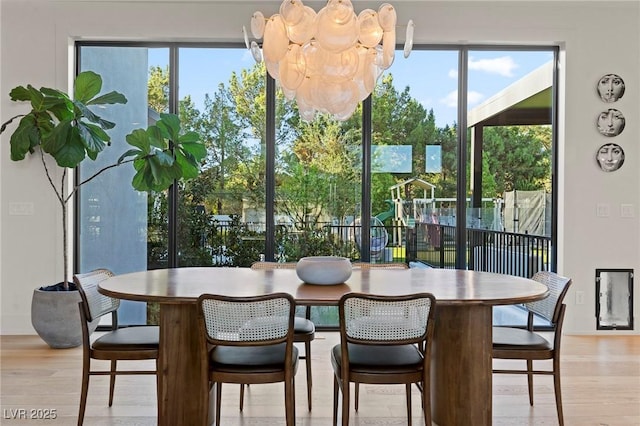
<point>526,102</point>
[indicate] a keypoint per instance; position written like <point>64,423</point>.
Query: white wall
<point>36,38</point>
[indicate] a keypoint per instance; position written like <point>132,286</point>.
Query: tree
<point>226,146</point>
<point>158,89</point>
<point>519,157</point>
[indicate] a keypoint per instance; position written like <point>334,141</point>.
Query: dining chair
<point>368,266</point>
<point>304,329</point>
<point>250,341</point>
<point>128,343</point>
<point>383,340</point>
<point>527,344</point>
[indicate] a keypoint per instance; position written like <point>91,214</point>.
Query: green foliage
<point>312,242</point>
<point>519,157</point>
<point>158,89</point>
<point>318,165</point>
<point>69,131</point>
<point>62,127</point>
<point>161,154</point>
<point>243,246</point>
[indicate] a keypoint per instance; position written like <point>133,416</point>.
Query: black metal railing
<point>237,243</point>
<point>486,250</point>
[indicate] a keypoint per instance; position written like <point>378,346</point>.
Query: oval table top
<point>449,286</point>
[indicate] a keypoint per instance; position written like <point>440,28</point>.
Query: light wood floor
<point>601,386</point>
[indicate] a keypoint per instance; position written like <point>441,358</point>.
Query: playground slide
<point>389,214</point>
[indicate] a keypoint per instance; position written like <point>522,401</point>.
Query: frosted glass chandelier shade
<point>327,61</point>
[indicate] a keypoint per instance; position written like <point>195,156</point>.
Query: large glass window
<point>448,164</point>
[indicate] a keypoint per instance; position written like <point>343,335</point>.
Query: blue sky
<point>430,74</point>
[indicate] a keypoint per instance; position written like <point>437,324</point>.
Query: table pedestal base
<point>181,370</point>
<point>461,368</point>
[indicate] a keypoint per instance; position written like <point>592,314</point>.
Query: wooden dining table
<point>461,385</point>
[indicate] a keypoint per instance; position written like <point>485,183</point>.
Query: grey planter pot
<point>56,318</point>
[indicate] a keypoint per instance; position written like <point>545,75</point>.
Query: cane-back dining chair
<point>384,340</point>
<point>368,266</point>
<point>527,344</point>
<point>250,341</point>
<point>304,328</point>
<point>128,343</point>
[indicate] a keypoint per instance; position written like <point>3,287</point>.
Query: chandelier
<point>327,61</point>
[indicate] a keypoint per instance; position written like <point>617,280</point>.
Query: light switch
<point>603,210</point>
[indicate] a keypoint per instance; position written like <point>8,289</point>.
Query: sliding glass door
<point>448,164</point>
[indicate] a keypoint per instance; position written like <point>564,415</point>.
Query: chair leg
<point>241,397</point>
<point>290,401</point>
<point>530,380</point>
<point>112,380</point>
<point>556,386</point>
<point>335,400</point>
<point>83,391</point>
<point>218,387</point>
<point>157,387</point>
<point>345,403</point>
<point>408,391</point>
<point>307,359</point>
<point>356,394</point>
<point>426,404</point>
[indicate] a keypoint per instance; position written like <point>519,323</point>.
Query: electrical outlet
<point>627,210</point>
<point>579,297</point>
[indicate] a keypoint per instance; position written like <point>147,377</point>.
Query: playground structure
<point>519,211</point>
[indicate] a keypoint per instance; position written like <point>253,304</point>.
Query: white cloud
<point>503,66</point>
<point>451,100</point>
<point>474,98</point>
<point>453,74</point>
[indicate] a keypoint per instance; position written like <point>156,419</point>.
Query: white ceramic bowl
<point>324,270</point>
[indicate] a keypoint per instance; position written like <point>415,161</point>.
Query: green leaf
<point>139,139</point>
<point>89,115</point>
<point>72,152</point>
<point>189,169</point>
<point>95,139</point>
<point>169,124</point>
<point>60,136</point>
<point>109,98</point>
<point>157,138</point>
<point>45,125</point>
<point>87,85</point>
<point>62,109</point>
<point>33,95</point>
<point>164,158</point>
<point>130,153</point>
<point>20,93</point>
<point>22,137</point>
<point>53,93</point>
<point>189,137</point>
<point>197,149</point>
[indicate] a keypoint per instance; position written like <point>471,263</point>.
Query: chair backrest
<point>95,303</point>
<point>366,265</point>
<point>549,307</point>
<point>386,320</point>
<point>238,321</point>
<point>273,265</point>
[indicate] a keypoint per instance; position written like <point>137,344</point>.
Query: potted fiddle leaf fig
<point>66,130</point>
